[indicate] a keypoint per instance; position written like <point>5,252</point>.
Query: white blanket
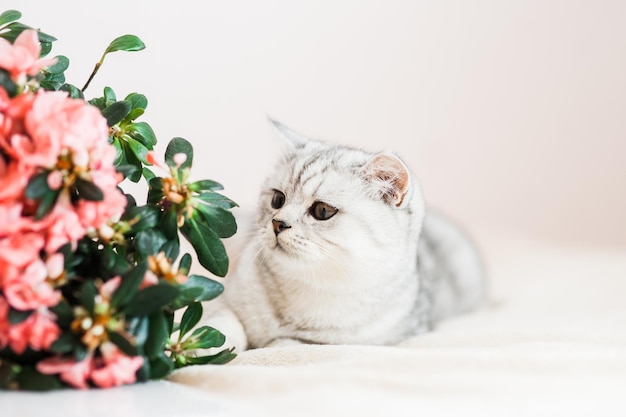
<point>551,341</point>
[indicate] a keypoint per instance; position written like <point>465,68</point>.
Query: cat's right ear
<point>389,178</point>
<point>290,136</point>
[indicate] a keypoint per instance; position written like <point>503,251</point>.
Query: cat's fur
<point>380,270</point>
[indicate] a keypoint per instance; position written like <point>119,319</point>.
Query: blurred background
<point>512,114</point>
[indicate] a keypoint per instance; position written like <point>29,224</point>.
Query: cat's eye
<point>322,211</point>
<point>278,199</point>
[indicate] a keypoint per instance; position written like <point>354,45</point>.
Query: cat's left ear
<point>389,177</point>
<point>292,137</point>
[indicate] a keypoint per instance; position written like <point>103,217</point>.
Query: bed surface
<point>551,341</point>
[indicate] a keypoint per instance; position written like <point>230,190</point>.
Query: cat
<point>345,252</point>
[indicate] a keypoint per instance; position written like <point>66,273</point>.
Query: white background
<point>511,113</point>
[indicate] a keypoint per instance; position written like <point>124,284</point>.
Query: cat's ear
<point>292,137</point>
<point>389,178</point>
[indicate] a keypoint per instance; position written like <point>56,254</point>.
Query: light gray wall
<point>512,113</point>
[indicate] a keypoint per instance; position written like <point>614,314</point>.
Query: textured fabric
<point>551,341</point>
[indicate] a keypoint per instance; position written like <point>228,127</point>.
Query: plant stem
<point>93,74</point>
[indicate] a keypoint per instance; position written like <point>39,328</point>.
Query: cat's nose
<point>279,226</point>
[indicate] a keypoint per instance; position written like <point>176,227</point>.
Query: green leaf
<point>185,264</point>
<point>143,217</point>
<point>208,246</point>
<point>138,148</point>
<point>122,343</point>
<point>204,337</point>
<point>176,146</point>
<point>126,170</point>
<point>66,343</point>
<point>46,47</point>
<point>45,38</point>
<point>220,358</point>
<point>151,299</point>
<point>18,316</point>
<point>171,248</point>
<point>99,102</point>
<point>215,199</point>
<point>52,82</point>
<point>127,156</point>
<point>128,43</point>
<point>205,185</point>
<point>31,380</point>
<point>38,186</point>
<point>112,263</point>
<point>80,352</point>
<point>168,223</point>
<point>198,288</point>
<point>64,313</point>
<point>137,101</point>
<point>116,112</point>
<point>46,204</point>
<point>190,318</point>
<point>109,96</point>
<point>142,132</point>
<point>7,83</point>
<point>155,190</point>
<point>72,90</point>
<point>187,296</point>
<point>139,328</point>
<point>220,220</point>
<point>149,242</point>
<point>87,295</point>
<point>147,174</point>
<point>13,30</point>
<point>129,286</point>
<point>9,16</point>
<point>160,366</point>
<point>87,190</point>
<point>157,335</point>
<point>60,66</point>
<point>134,114</point>
<point>8,372</point>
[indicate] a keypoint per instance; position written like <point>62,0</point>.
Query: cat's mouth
<point>281,246</point>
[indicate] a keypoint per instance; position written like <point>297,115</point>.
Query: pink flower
<point>66,123</point>
<point>113,369</point>
<point>13,180</point>
<point>21,249</point>
<point>97,213</point>
<point>30,290</point>
<point>179,159</point>
<point>63,224</point>
<point>55,180</point>
<point>72,372</point>
<point>38,331</point>
<point>4,323</point>
<point>18,143</point>
<point>117,369</point>
<point>149,279</point>
<point>153,159</point>
<point>56,265</point>
<point>22,57</point>
<point>108,288</point>
<point>42,130</point>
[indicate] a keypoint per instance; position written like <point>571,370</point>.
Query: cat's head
<point>330,206</point>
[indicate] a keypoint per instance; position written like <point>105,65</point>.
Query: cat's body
<point>344,253</point>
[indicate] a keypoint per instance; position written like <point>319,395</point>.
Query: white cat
<point>344,253</point>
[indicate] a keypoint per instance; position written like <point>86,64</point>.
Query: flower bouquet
<point>90,279</point>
